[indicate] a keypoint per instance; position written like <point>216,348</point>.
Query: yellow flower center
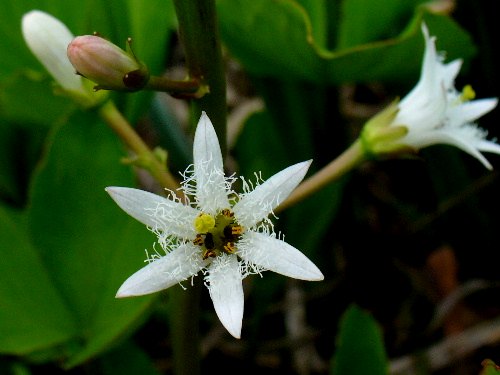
<point>217,235</point>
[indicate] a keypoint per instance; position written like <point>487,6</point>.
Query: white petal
<point>226,291</point>
<point>457,137</point>
<point>256,205</point>
<point>422,114</point>
<point>488,146</point>
<point>48,39</point>
<point>278,256</point>
<point>470,111</point>
<point>430,77</point>
<point>176,266</point>
<point>158,213</point>
<point>448,72</point>
<point>211,189</point>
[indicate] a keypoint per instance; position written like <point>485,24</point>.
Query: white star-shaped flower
<point>435,112</point>
<point>225,235</point>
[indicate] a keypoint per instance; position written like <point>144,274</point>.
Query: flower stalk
<point>145,157</point>
<point>186,89</point>
<point>345,162</point>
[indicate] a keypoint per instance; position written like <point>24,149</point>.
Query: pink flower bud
<point>106,64</point>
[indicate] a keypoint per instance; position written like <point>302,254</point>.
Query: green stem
<point>183,312</point>
<point>119,124</point>
<point>181,89</point>
<point>200,37</point>
<point>338,167</point>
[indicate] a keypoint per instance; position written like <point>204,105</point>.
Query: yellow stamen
<point>204,223</point>
<point>468,93</point>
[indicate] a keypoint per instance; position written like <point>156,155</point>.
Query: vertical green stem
<point>184,311</point>
<point>199,34</point>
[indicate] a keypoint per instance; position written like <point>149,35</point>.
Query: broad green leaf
<point>33,316</point>
<point>360,346</point>
<point>318,14</point>
<point>30,99</point>
<point>87,243</point>
<point>252,36</point>
<point>365,21</point>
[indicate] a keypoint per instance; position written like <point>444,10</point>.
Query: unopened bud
<point>48,38</point>
<point>106,64</point>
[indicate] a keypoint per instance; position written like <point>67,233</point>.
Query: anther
<point>229,247</point>
<point>198,240</point>
<point>209,253</point>
<point>236,230</point>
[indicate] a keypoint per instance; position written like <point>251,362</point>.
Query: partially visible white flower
<point>48,39</point>
<point>225,235</point>
<point>433,112</point>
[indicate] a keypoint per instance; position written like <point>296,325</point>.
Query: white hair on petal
<point>219,266</point>
<point>153,255</point>
<point>261,223</point>
<point>213,182</point>
<point>164,217</point>
<point>248,268</point>
<point>188,184</point>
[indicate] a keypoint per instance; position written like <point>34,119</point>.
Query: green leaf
<point>32,314</point>
<point>360,347</point>
<point>45,108</point>
<point>88,245</point>
<point>365,21</point>
<point>252,37</point>
<point>318,13</point>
